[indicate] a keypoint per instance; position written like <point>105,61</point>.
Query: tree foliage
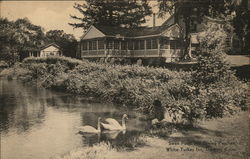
<point>212,67</point>
<point>17,37</point>
<point>216,9</point>
<point>207,7</point>
<point>218,91</point>
<point>241,21</point>
<point>21,32</point>
<point>129,13</point>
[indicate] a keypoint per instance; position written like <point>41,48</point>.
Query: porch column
<point>88,47</point>
<point>169,48</point>
<point>175,41</point>
<point>128,51</point>
<point>105,46</point>
<point>120,48</point>
<point>108,47</point>
<point>113,48</point>
<point>133,43</point>
<point>97,49</point>
<point>81,49</point>
<point>175,49</point>
<point>159,45</point>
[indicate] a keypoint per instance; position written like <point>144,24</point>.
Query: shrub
<point>186,96</point>
<point>211,66</point>
<point>214,80</point>
<point>69,62</point>
<point>15,72</point>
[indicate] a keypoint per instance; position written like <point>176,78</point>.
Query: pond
<point>40,123</point>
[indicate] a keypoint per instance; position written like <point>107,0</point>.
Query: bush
<point>217,87</point>
<point>186,96</point>
<point>69,62</point>
<point>15,72</point>
<point>212,66</point>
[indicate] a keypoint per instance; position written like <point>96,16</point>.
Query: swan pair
<point>112,125</point>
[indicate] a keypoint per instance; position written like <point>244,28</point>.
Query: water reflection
<point>19,111</point>
<point>118,139</point>
<point>40,123</point>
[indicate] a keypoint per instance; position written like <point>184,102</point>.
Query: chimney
<point>153,19</point>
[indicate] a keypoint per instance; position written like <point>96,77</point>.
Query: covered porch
<point>158,46</point>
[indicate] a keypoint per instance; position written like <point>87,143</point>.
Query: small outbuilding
<point>50,50</point>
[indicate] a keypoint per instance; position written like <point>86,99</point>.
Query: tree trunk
<point>187,52</point>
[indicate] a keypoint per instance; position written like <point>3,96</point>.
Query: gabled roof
<point>170,21</point>
<point>51,44</point>
<point>95,31</point>
<point>136,32</point>
<point>172,31</point>
<point>92,30</point>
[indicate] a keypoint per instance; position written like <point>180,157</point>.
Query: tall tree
<point>18,37</point>
<point>184,9</point>
<point>241,21</point>
<point>66,41</point>
<point>213,8</point>
<point>129,13</point>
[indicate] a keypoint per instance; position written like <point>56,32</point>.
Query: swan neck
<point>123,123</point>
<point>99,125</point>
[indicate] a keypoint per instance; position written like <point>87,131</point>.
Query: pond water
<point>39,123</point>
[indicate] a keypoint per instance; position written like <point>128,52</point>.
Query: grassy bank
<point>135,86</point>
<point>214,139</point>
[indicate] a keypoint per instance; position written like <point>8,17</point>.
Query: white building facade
<point>50,50</point>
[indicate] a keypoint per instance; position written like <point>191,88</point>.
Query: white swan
<point>111,134</point>
<point>91,129</point>
<point>114,125</point>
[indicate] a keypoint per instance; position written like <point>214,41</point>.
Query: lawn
<point>238,60</point>
<point>226,138</point>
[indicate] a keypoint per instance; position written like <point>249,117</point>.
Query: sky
<point>50,14</point>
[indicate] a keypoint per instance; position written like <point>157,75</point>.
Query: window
<point>130,45</point>
<point>165,43</point>
<point>90,45</point>
<point>193,26</point>
<point>124,45</point>
<point>172,44</point>
<point>94,45</point>
<point>116,45</point>
<point>228,41</point>
<point>148,44</point>
<point>110,44</point>
<point>178,44</point>
<point>84,45</point>
<point>142,44</point>
<point>136,45</point>
<point>236,43</point>
<point>100,44</point>
<point>154,44</point>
